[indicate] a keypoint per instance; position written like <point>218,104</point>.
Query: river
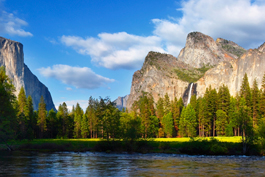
<point>104,164</point>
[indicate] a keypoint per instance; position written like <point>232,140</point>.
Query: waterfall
<point>188,102</point>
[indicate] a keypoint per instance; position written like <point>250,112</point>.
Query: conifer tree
<point>8,121</point>
<point>201,115</point>
<point>255,103</point>
<point>22,111</point>
<point>160,108</point>
<point>78,114</point>
<point>167,122</point>
<point>262,98</point>
<point>223,98</point>
<point>84,127</point>
<point>41,122</point>
<point>166,104</point>
<point>245,90</point>
<point>221,122</point>
<point>32,125</point>
<point>52,124</point>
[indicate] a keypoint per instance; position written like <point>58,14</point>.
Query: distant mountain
<point>202,61</point>
<point>121,102</point>
<point>12,58</point>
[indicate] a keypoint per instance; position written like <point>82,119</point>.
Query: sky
<point>92,48</point>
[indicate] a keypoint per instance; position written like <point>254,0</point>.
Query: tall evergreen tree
<point>41,122</point>
<point>22,111</point>
<point>245,90</point>
<point>166,104</point>
<point>255,102</point>
<point>167,122</point>
<point>8,121</point>
<point>221,122</point>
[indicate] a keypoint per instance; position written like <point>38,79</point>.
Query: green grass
<point>195,146</point>
<point>234,139</point>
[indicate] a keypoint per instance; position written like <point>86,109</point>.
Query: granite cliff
<point>203,62</point>
<point>12,58</point>
<point>121,102</point>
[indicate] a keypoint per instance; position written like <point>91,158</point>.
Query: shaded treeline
<point>215,114</point>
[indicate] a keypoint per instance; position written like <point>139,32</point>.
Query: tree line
<point>217,113</point>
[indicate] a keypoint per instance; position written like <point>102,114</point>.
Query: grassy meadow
<point>207,146</point>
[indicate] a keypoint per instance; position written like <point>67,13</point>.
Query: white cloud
<point>80,77</point>
<point>238,20</point>
<point>117,50</point>
<point>242,21</point>
<point>70,103</point>
<point>12,25</point>
<point>69,88</point>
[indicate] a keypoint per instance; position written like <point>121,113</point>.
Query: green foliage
<point>231,49</point>
<point>191,75</point>
<point>221,122</point>
<point>188,122</point>
<point>167,123</point>
<point>8,121</point>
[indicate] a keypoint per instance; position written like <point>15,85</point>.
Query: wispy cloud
<point>117,50</point>
<point>80,77</point>
<point>12,25</point>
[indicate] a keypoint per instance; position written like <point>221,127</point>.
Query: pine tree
<point>245,91</point>
<point>182,123</point>
<point>262,98</point>
<point>223,98</point>
<point>160,108</point>
<point>8,121</point>
<point>168,124</point>
<point>22,111</point>
<point>255,102</point>
<point>78,114</point>
<point>52,124</point>
<point>41,122</point>
<point>84,127</point>
<point>221,122</point>
<point>191,121</point>
<point>166,104</point>
<point>32,121</point>
<point>201,115</point>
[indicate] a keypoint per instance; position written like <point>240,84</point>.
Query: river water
<point>104,164</point>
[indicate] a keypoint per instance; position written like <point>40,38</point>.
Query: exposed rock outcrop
<point>201,50</point>
<point>121,102</point>
<point>231,73</point>
<point>12,57</point>
<point>163,73</point>
<point>158,77</point>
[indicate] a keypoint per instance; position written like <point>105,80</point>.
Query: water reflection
<point>103,164</point>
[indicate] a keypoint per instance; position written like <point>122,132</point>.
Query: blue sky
<point>89,48</point>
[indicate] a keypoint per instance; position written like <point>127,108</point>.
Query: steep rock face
<point>121,102</point>
<point>201,50</point>
<point>231,73</point>
<point>157,77</point>
<point>230,47</point>
<point>12,57</point>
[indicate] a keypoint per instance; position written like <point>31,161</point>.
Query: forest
<point>216,114</point>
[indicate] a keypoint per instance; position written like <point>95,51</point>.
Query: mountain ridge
<point>202,61</point>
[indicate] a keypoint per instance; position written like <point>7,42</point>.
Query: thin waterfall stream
<point>188,102</point>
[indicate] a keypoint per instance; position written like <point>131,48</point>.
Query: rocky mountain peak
<point>262,47</point>
<point>230,47</point>
<point>201,50</point>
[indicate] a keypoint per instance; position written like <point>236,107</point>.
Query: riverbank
<point>197,146</point>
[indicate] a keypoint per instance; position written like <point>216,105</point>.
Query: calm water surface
<point>103,164</point>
